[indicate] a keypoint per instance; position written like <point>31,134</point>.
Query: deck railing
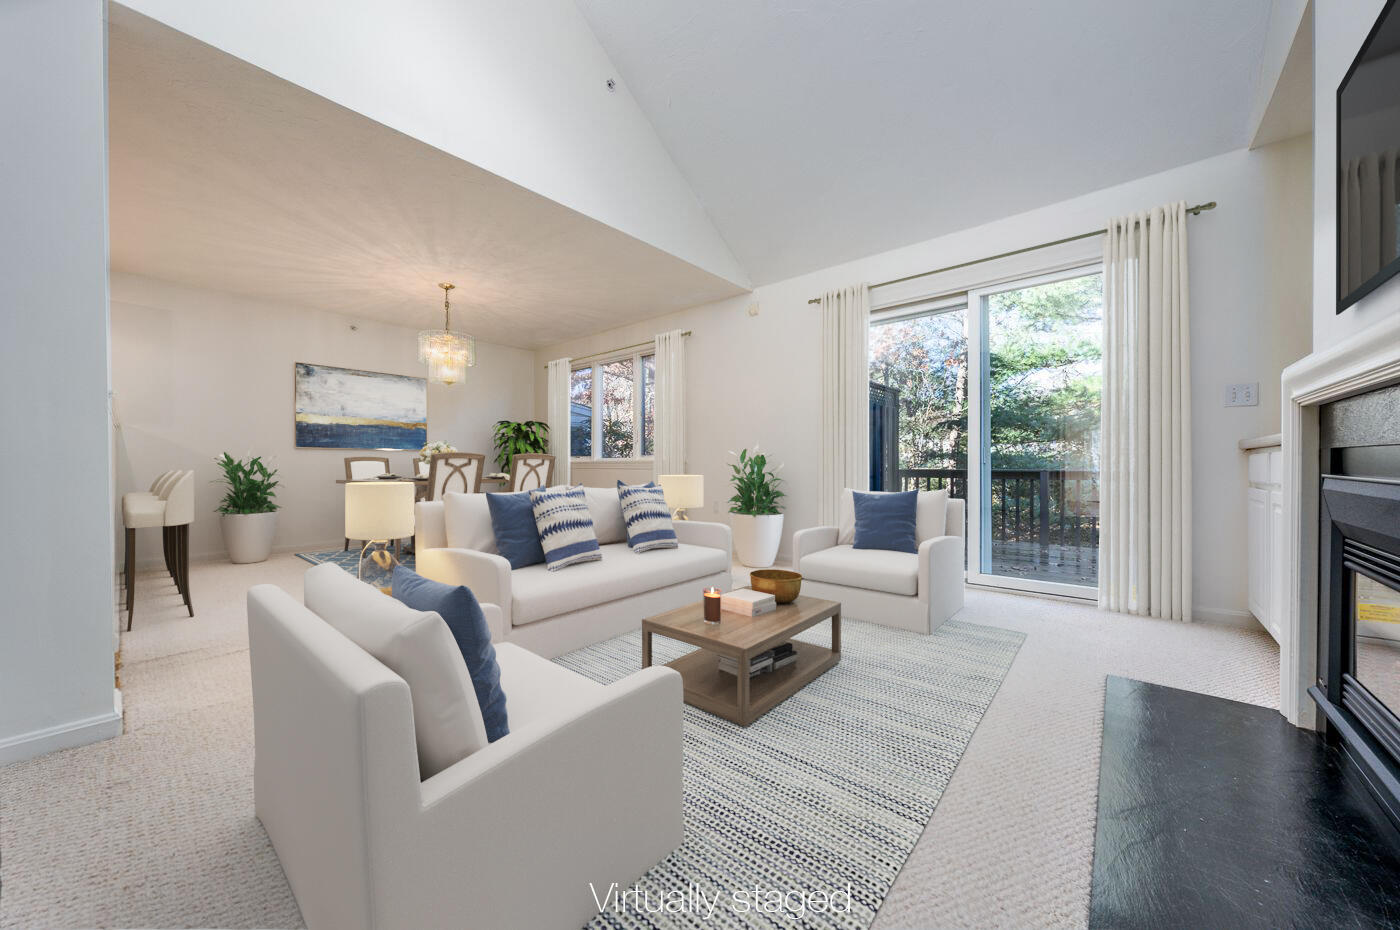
<point>1046,506</point>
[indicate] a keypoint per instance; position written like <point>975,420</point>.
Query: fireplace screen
<point>1377,639</point>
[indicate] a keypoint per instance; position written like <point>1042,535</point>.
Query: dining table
<point>422,483</point>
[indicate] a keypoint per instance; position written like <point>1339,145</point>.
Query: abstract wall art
<point>344,408</point>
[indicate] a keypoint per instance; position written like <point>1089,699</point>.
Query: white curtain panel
<point>845,433</point>
<point>1370,191</point>
<point>668,441</point>
<point>559,418</point>
<point>1145,473</point>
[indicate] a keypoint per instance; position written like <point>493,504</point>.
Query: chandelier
<point>448,355</point>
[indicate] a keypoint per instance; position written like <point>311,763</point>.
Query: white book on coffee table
<point>748,601</point>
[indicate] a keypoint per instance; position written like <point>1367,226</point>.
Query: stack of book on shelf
<point>770,661</point>
<point>748,602</point>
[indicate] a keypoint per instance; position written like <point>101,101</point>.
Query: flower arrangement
<point>755,485</point>
<point>433,448</point>
<point>249,486</point>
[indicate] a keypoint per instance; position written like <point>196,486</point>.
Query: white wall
<point>198,372</point>
<point>56,638</point>
<point>517,88</point>
<point>755,380</point>
<point>1340,28</point>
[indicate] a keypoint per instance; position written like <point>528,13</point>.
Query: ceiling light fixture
<point>448,355</point>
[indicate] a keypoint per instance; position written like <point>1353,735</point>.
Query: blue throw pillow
<point>647,517</point>
<point>458,606</point>
<point>886,521</point>
<point>513,520</point>
<point>566,528</point>
<point>621,484</point>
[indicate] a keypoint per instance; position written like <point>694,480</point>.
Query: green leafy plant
<point>755,485</point>
<point>249,485</point>
<point>518,439</point>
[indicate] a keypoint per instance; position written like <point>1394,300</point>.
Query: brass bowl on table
<point>783,585</point>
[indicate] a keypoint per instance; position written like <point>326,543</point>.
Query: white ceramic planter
<point>756,538</point>
<point>248,536</point>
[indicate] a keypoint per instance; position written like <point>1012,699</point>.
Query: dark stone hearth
<point>1214,813</point>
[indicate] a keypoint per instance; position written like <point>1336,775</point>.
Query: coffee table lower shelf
<point>717,692</point>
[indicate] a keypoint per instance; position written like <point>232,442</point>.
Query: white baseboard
<point>1224,616</point>
<point>64,735</point>
<point>1218,616</point>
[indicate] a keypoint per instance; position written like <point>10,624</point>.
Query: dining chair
<point>455,471</point>
<point>361,467</point>
<point>530,470</point>
<point>169,504</point>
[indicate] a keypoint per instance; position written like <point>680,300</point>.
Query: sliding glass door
<point>1022,406</point>
<point>1033,514</point>
<point>918,399</point>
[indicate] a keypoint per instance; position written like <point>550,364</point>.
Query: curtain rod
<point>1194,211</point>
<point>635,345</point>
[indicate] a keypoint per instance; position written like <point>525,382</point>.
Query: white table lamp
<point>683,492</point>
<point>377,512</point>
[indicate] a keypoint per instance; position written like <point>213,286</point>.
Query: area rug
<point>806,817</point>
<point>347,560</point>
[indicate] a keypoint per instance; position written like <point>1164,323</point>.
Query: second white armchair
<point>912,591</point>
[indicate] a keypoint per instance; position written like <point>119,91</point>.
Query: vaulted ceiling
<point>820,131</point>
<point>226,177</point>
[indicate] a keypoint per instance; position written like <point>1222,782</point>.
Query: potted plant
<point>754,517</point>
<point>249,513</point>
<point>518,439</point>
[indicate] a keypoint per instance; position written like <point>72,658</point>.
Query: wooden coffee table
<point>737,697</point>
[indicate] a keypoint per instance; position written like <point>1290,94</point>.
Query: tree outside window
<point>618,421</point>
<point>581,412</point>
<point>612,408</point>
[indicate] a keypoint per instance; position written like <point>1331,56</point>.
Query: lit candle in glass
<point>712,605</point>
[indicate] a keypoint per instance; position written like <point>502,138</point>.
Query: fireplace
<point>1358,642</point>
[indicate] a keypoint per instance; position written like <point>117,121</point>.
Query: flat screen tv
<point>1368,164</point>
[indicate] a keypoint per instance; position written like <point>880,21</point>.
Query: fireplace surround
<point>1357,686</point>
<point>1361,363</point>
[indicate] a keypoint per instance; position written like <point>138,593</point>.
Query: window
<point>619,423</point>
<point>581,413</point>
<point>1011,425</point>
<point>648,403</point>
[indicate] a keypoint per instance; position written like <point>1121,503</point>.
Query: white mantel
<point>1362,362</point>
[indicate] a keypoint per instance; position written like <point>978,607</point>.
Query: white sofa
<point>585,788</point>
<point>913,591</point>
<point>551,613</point>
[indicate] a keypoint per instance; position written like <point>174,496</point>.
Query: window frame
<point>596,363</point>
<point>979,543</point>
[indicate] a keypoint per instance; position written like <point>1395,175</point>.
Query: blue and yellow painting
<point>343,408</point>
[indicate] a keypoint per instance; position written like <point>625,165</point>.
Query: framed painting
<point>344,408</point>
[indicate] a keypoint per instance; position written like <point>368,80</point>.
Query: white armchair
<point>585,788</point>
<point>902,589</point>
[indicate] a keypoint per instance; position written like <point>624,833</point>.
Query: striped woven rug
<point>805,818</point>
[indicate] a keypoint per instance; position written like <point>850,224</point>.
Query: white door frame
<point>978,439</point>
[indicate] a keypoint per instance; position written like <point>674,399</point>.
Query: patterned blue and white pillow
<point>647,518</point>
<point>566,529</point>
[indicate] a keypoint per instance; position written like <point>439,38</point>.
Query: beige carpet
<point>156,828</point>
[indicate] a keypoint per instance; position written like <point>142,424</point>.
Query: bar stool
<point>169,504</point>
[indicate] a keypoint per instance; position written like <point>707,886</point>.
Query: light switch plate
<point>1242,395</point>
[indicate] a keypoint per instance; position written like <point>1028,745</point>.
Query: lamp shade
<point>683,492</point>
<point>379,510</point>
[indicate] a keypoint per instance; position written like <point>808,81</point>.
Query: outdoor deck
<point>1063,564</point>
